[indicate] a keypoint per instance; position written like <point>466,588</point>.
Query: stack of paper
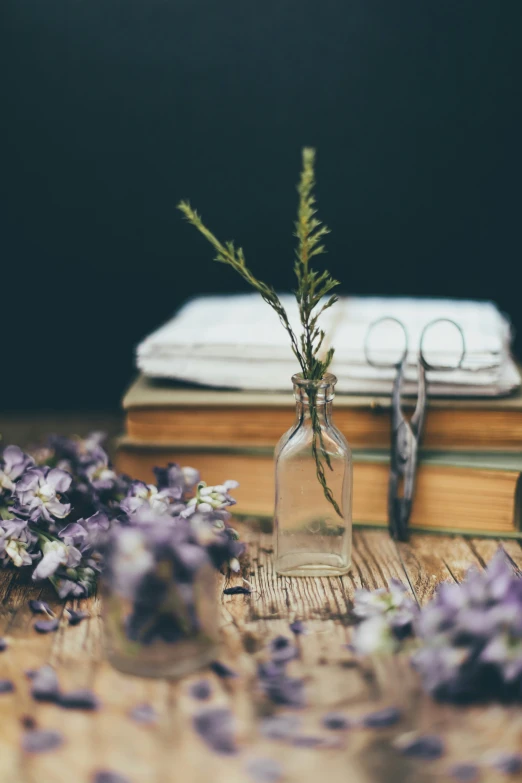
<point>238,342</point>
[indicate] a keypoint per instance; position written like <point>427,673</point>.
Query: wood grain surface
<point>108,739</point>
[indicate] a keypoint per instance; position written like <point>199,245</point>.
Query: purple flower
<point>175,477</point>
<point>17,543</point>
<point>39,492</point>
<point>282,650</point>
<point>55,555</point>
<point>76,617</point>
<point>216,727</point>
<point>13,463</point>
<point>298,627</point>
<point>147,496</point>
<point>41,740</point>
<point>210,499</point>
<point>100,475</point>
<point>3,644</point>
<point>386,617</point>
<point>507,762</point>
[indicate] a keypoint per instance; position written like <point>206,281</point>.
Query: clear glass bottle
<point>160,617</point>
<point>311,539</point>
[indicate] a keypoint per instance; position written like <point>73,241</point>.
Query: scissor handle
<point>441,367</point>
<point>385,365</point>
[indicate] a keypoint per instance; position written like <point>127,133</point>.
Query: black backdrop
<point>115,109</point>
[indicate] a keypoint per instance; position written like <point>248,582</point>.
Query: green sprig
<point>312,288</point>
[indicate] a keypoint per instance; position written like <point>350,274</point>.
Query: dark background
<point>112,110</point>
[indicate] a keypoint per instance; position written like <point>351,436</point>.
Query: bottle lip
<point>328,380</point>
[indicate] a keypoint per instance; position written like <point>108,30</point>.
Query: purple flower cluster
<point>58,504</point>
<point>467,640</point>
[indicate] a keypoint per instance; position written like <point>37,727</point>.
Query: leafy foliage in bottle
<point>313,295</point>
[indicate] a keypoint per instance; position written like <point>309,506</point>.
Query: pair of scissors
<point>406,436</point>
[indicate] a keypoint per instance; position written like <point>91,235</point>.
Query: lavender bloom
<point>46,626</point>
<point>79,451</point>
<point>386,617</point>
<point>216,727</point>
<point>39,492</point>
<point>298,627</point>
<point>100,475</point>
<point>175,477</point>
<point>143,496</point>
<point>17,543</point>
<point>210,499</point>
<point>55,555</point>
<point>13,464</point>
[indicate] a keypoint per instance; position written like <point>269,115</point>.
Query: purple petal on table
<point>222,670</point>
<point>201,690</point>
<point>3,644</point>
<point>106,776</point>
<point>40,607</point>
<point>336,721</point>
<point>28,722</point>
<point>76,616</point>
<point>424,746</point>
<point>144,713</point>
<point>264,770</point>
<point>307,741</point>
<point>41,740</point>
<point>81,699</point>
<point>389,716</point>
<point>6,686</point>
<point>285,690</point>
<point>298,627</point>
<point>280,727</point>
<point>237,590</point>
<point>215,727</point>
<point>45,685</point>
<point>46,626</point>
<point>282,650</point>
<point>508,763</point>
<point>465,772</point>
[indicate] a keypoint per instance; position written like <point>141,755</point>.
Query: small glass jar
<point>311,537</point>
<point>159,603</point>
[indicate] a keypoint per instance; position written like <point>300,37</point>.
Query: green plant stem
<point>312,288</point>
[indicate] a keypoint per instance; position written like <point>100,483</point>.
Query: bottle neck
<point>323,412</point>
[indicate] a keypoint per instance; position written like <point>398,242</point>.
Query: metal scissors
<point>406,436</point>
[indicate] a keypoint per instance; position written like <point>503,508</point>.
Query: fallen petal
<point>222,670</point>
<point>298,627</point>
<point>82,699</point>
<point>236,591</point>
<point>3,644</point>
<point>389,716</point>
<point>6,686</point>
<point>280,727</point>
<point>75,617</point>
<point>40,607</point>
<point>41,740</point>
<point>427,747</point>
<point>45,685</point>
<point>215,727</point>
<point>144,713</point>
<point>201,690</point>
<point>46,626</point>
<point>336,721</point>
<point>104,776</point>
<point>464,773</point>
<point>264,770</point>
<point>508,763</point>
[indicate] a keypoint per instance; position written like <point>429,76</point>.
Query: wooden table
<point>171,751</point>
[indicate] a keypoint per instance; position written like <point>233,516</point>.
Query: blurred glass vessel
<point>311,539</point>
<point>159,604</point>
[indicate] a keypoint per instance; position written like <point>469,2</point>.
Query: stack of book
<point>469,477</point>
